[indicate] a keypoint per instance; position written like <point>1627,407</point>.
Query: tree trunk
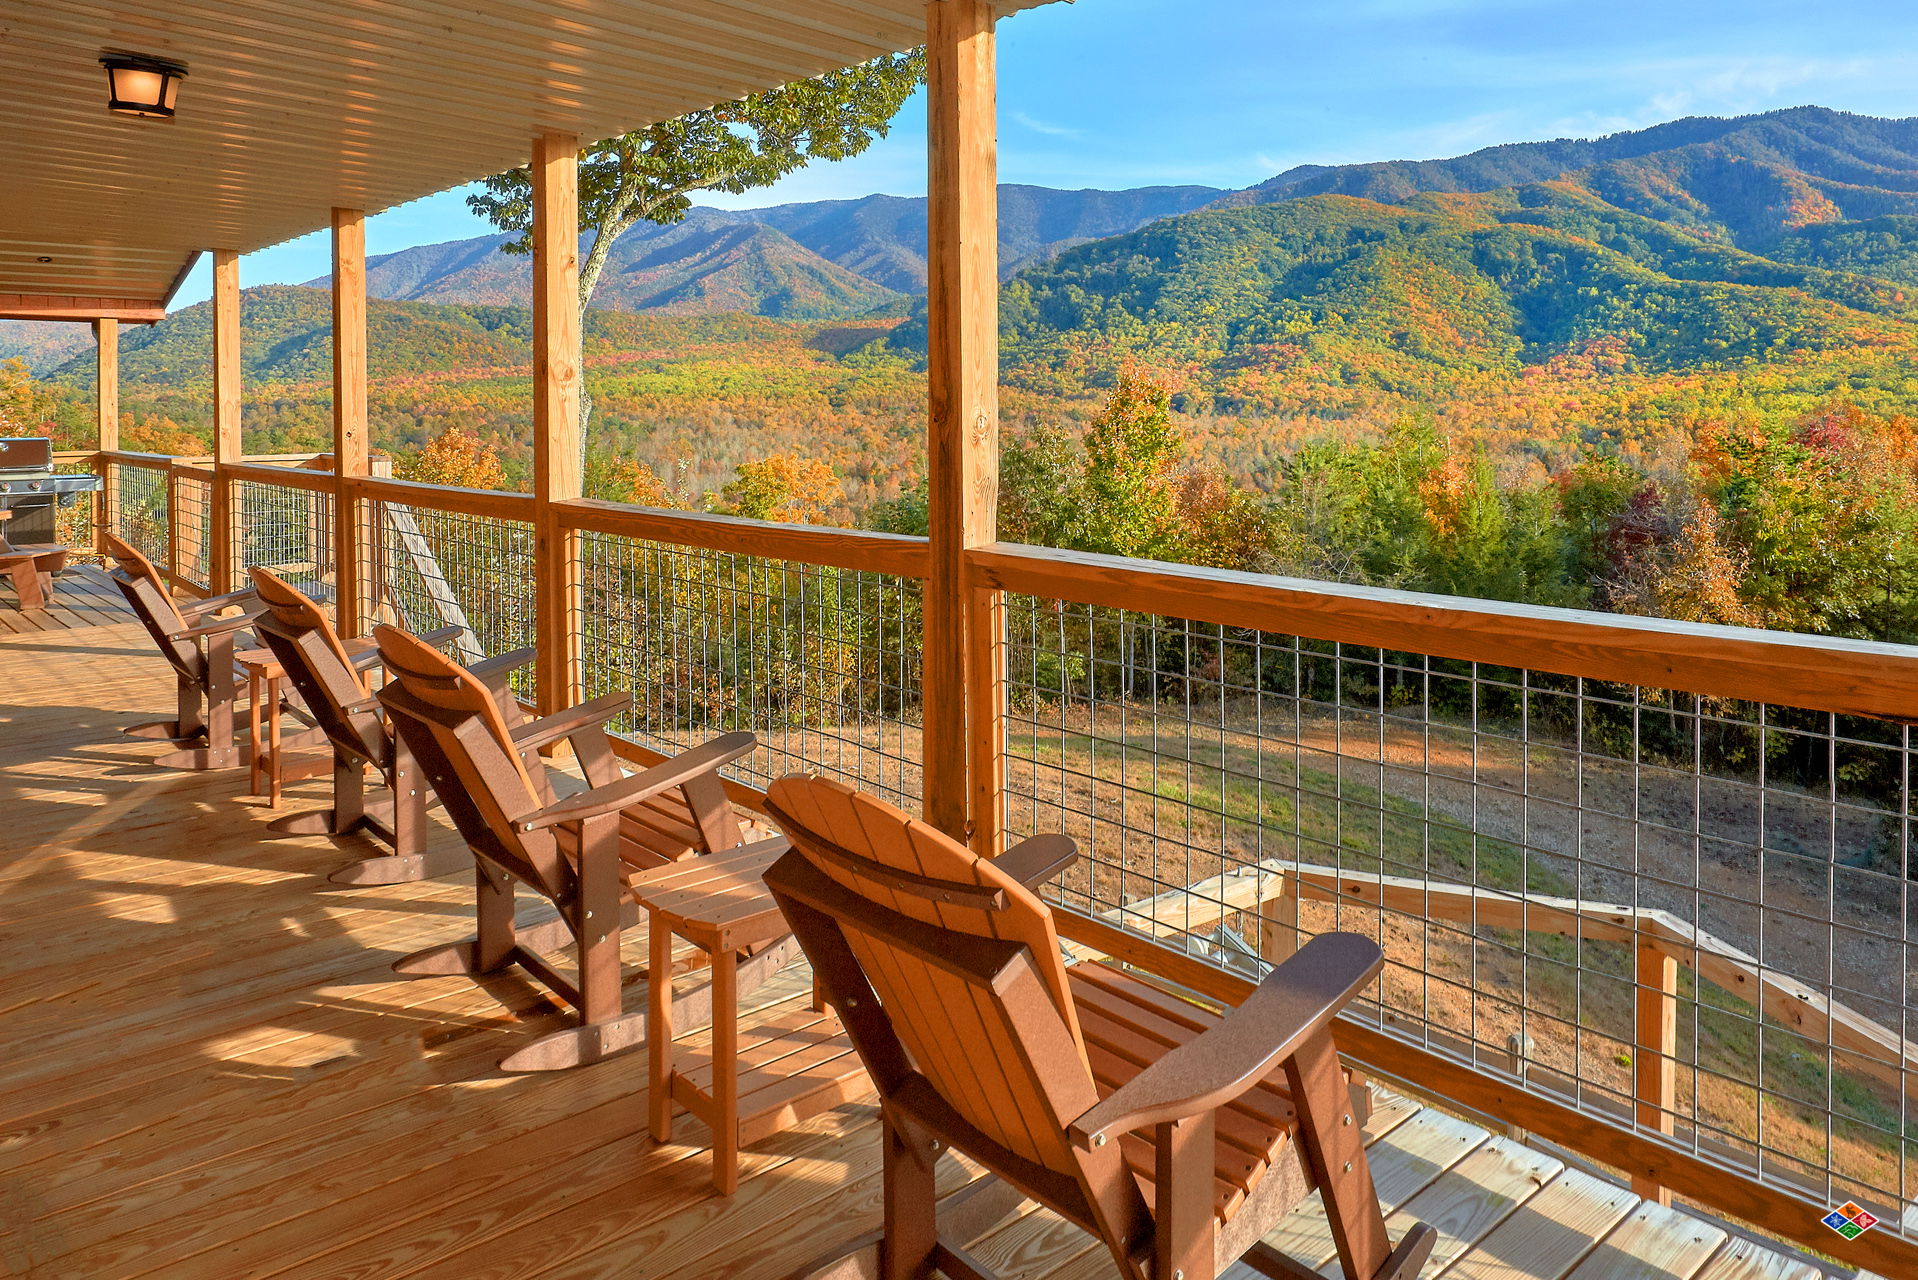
<point>604,238</point>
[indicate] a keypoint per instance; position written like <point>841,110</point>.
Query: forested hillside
<point>1671,372</point>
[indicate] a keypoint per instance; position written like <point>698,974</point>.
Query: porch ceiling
<point>294,107</point>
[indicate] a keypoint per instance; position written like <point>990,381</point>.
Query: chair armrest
<point>219,626</point>
<point>645,784</point>
<point>504,664</point>
<point>1034,861</point>
<point>191,609</point>
<point>1295,1002</point>
<point>563,724</point>
<point>369,657</point>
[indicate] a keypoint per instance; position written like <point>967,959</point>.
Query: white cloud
<point>1048,129</point>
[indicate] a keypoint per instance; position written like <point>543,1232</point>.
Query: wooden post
<point>106,337</point>
<point>1655,1055</point>
<point>963,661</point>
<point>1279,923</point>
<point>351,449</point>
<point>556,432</point>
<point>226,410</point>
<point>176,530</point>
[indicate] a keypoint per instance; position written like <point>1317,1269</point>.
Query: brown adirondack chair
<point>481,754</point>
<point>199,646</point>
<point>330,677</point>
<point>1177,1137</point>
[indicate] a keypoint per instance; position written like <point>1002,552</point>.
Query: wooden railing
<point>1840,677</point>
<point>1642,658</point>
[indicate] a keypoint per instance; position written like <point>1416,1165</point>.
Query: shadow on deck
<point>214,1073</point>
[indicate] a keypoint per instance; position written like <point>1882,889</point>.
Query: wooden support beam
<point>42,306</point>
<point>106,338</point>
<point>962,653</point>
<point>351,450</point>
<point>226,408</point>
<point>557,471</point>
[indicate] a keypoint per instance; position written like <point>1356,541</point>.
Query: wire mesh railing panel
<point>192,517</point>
<point>432,569</point>
<point>287,530</point>
<point>1516,841</point>
<point>138,509</point>
<point>823,664</point>
<point>73,519</point>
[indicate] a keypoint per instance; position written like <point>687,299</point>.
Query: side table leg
<point>255,763</point>
<point>726,1070</point>
<point>659,1027</point>
<point>273,736</point>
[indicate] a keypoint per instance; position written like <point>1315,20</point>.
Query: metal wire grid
<point>432,569</point>
<point>287,530</point>
<point>73,521</point>
<point>192,514</point>
<point>1197,763</point>
<point>140,510</point>
<point>823,664</point>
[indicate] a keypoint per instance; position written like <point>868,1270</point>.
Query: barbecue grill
<point>31,491</point>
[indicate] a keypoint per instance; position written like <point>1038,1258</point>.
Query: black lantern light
<point>141,86</point>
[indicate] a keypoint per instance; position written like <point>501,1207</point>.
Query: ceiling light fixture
<point>141,86</point>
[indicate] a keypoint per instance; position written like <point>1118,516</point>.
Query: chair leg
<point>911,1215</point>
<point>222,692</point>
<point>189,698</point>
<point>1182,1186</point>
<point>347,811</point>
<point>1333,1145</point>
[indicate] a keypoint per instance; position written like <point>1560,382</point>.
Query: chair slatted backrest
<point>153,604</point>
<point>315,659</point>
<point>961,1036</point>
<point>460,737</point>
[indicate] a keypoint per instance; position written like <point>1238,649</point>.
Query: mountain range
<point>829,259</point>
<point>1786,242</point>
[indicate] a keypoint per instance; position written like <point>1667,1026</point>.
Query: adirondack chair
<point>481,753</point>
<point>1176,1137</point>
<point>330,677</point>
<point>199,646</point>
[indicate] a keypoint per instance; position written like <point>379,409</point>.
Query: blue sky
<point>1124,93</point>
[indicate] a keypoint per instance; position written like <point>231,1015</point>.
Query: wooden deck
<point>212,1072</point>
<point>83,596</point>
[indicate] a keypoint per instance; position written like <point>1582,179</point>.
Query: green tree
<point>784,487</point>
<point>651,174</point>
<point>1131,453</point>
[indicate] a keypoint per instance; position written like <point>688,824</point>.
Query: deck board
<point>83,596</point>
<point>217,1076</point>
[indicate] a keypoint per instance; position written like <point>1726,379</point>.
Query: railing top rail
<point>811,544</point>
<point>286,477</point>
<point>1822,673</point>
<point>476,502</point>
<point>158,461</point>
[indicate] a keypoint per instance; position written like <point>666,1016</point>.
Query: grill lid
<point>26,454</point>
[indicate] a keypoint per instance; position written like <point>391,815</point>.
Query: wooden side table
<point>799,1063</point>
<point>272,759</point>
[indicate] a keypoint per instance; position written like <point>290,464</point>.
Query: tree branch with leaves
<point>651,175</point>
